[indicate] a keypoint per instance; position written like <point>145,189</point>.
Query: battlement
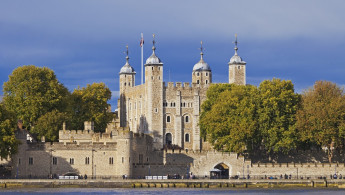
<point>177,85</point>
<point>285,165</point>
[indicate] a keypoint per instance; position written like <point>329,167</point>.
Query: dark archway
<point>220,171</point>
<point>168,139</point>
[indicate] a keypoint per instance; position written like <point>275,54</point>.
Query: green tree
<point>32,91</point>
<point>8,142</point>
<point>49,125</point>
<point>90,104</point>
<point>231,121</point>
<point>277,115</point>
<point>321,119</point>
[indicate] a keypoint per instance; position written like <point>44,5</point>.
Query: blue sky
<point>83,41</point>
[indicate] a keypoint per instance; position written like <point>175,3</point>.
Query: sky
<point>84,41</point>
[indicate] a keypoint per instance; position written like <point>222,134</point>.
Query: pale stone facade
<point>151,116</point>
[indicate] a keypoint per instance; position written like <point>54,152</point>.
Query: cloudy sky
<point>84,41</point>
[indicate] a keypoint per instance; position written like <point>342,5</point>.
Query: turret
<point>127,80</point>
<point>237,68</point>
<point>202,74</point>
<point>154,91</point>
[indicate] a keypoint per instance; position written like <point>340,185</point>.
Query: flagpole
<point>142,60</point>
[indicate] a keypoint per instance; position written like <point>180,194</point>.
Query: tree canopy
<point>321,120</point>
<point>277,115</point>
<point>8,142</point>
<point>32,91</point>
<point>90,103</point>
<point>238,118</point>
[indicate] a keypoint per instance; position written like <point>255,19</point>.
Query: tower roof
<point>201,65</point>
<point>236,59</point>
<point>127,69</point>
<point>153,59</point>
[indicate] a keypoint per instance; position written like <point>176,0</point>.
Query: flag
<point>142,40</point>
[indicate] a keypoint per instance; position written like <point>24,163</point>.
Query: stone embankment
<point>49,183</point>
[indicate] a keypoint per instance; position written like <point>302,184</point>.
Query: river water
<point>168,191</point>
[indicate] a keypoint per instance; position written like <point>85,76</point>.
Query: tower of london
<point>169,111</point>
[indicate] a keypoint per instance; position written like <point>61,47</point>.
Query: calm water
<point>165,191</point>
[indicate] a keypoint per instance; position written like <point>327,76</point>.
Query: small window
<point>18,161</point>
<point>156,110</point>
<point>129,84</point>
<point>111,160</point>
<point>206,74</point>
<point>184,104</point>
<point>152,78</point>
<point>54,161</point>
<point>187,119</point>
<point>159,68</point>
<point>197,82</point>
<point>239,67</point>
<point>147,159</point>
<point>71,161</point>
<point>159,78</point>
<point>125,83</point>
<point>206,81</point>
<point>31,160</point>
<point>186,139</point>
<point>87,160</point>
<point>197,74</point>
<point>171,104</point>
<point>152,68</point>
<point>168,119</point>
<point>141,158</point>
<point>122,159</point>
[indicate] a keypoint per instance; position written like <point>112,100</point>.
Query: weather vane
<point>153,41</point>
<point>235,40</point>
<point>126,50</point>
<point>201,48</point>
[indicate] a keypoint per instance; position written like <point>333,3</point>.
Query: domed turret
<point>237,68</point>
<point>202,74</point>
<point>127,69</point>
<point>153,59</point>
<point>201,65</point>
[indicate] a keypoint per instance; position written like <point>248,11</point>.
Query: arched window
<point>197,82</point>
<point>206,74</point>
<point>152,68</point>
<point>206,81</point>
<point>197,74</point>
<point>187,119</point>
<point>125,83</point>
<point>168,119</point>
<point>168,139</point>
<point>129,83</point>
<point>186,137</point>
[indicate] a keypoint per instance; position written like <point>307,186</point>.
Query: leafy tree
<point>321,119</point>
<point>231,121</point>
<point>277,115</point>
<point>32,91</point>
<point>90,104</point>
<point>8,142</point>
<point>49,125</point>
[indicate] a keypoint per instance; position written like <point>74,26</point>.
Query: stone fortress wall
<point>152,116</point>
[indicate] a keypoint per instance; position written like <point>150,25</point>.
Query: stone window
<point>141,159</point>
<point>159,78</point>
<point>122,159</point>
<point>186,137</point>
<point>147,159</point>
<point>206,74</point>
<point>184,104</point>
<point>197,82</point>
<point>31,160</point>
<point>197,74</point>
<point>125,83</point>
<point>87,160</point>
<point>71,161</point>
<point>168,119</point>
<point>152,78</point>
<point>18,161</point>
<point>54,161</point>
<point>239,67</point>
<point>206,81</point>
<point>152,68</point>
<point>111,160</point>
<point>156,110</point>
<point>187,119</point>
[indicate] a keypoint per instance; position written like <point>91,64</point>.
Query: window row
<point>198,82</point>
<point>168,138</point>
<point>71,161</point>
<point>173,104</point>
<point>198,74</point>
<point>186,119</point>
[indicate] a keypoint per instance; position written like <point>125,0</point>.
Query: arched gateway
<point>220,171</point>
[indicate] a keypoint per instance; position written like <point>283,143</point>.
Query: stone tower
<point>237,68</point>
<point>127,80</point>
<point>202,74</point>
<point>154,95</point>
